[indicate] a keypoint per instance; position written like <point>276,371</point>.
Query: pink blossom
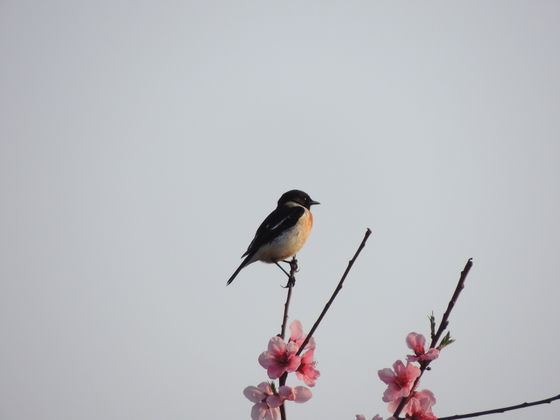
<point>280,358</point>
<point>299,394</point>
<point>298,337</point>
<point>263,408</point>
<point>417,343</point>
<point>306,370</point>
<point>425,396</point>
<point>420,409</point>
<point>267,403</point>
<point>400,381</point>
<point>376,417</point>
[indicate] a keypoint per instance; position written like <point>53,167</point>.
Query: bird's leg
<point>282,268</point>
<point>293,271</point>
<point>290,262</point>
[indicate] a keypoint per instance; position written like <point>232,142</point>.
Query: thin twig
<point>445,320</point>
<point>293,265</point>
<point>283,412</point>
<point>338,287</point>
<point>501,410</point>
<point>443,325</point>
<point>289,286</point>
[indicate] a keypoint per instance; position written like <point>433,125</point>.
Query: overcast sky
<point>142,143</point>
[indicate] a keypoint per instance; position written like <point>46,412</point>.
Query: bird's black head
<point>298,197</point>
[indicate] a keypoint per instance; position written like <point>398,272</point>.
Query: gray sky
<point>142,143</point>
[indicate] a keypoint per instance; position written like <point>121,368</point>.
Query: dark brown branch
<point>445,320</point>
<point>283,411</point>
<point>338,287</point>
<point>290,285</point>
<point>435,338</point>
<point>501,410</point>
<point>291,281</point>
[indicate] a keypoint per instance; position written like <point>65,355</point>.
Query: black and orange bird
<point>283,233</point>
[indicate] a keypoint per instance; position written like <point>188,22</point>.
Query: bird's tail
<point>245,263</point>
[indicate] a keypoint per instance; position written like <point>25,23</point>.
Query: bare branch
<point>338,287</point>
<point>460,286</point>
<point>435,337</point>
<point>501,410</point>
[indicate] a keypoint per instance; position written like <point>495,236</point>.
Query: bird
<point>283,233</point>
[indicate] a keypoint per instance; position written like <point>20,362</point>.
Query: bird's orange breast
<point>289,243</point>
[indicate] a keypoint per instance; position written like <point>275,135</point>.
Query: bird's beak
<point>312,202</point>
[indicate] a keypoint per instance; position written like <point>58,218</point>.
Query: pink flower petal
<point>425,397</point>
<point>303,394</point>
<point>386,375</point>
<point>296,330</point>
<point>297,336</point>
<point>274,371</point>
<point>431,354</point>
<point>279,358</point>
<point>259,411</point>
<point>286,392</point>
<point>254,394</point>
<point>299,394</point>
<point>265,387</point>
<point>274,401</point>
<point>265,359</point>
<point>306,370</point>
<point>400,381</point>
<point>416,342</point>
<point>291,348</point>
<point>273,414</point>
<point>293,364</point>
<point>276,346</point>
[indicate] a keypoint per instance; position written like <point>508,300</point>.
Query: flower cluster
<point>418,406</point>
<point>280,358</point>
<point>402,380</point>
<point>267,402</point>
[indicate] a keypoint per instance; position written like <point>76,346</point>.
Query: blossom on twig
<point>306,370</point>
<point>267,402</point>
<point>425,397</point>
<point>298,336</point>
<point>263,408</point>
<point>298,394</point>
<point>417,343</point>
<point>400,380</point>
<point>280,358</point>
<point>420,408</point>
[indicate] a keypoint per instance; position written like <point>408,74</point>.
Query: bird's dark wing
<point>274,225</point>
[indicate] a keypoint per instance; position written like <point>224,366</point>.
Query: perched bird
<point>283,233</point>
